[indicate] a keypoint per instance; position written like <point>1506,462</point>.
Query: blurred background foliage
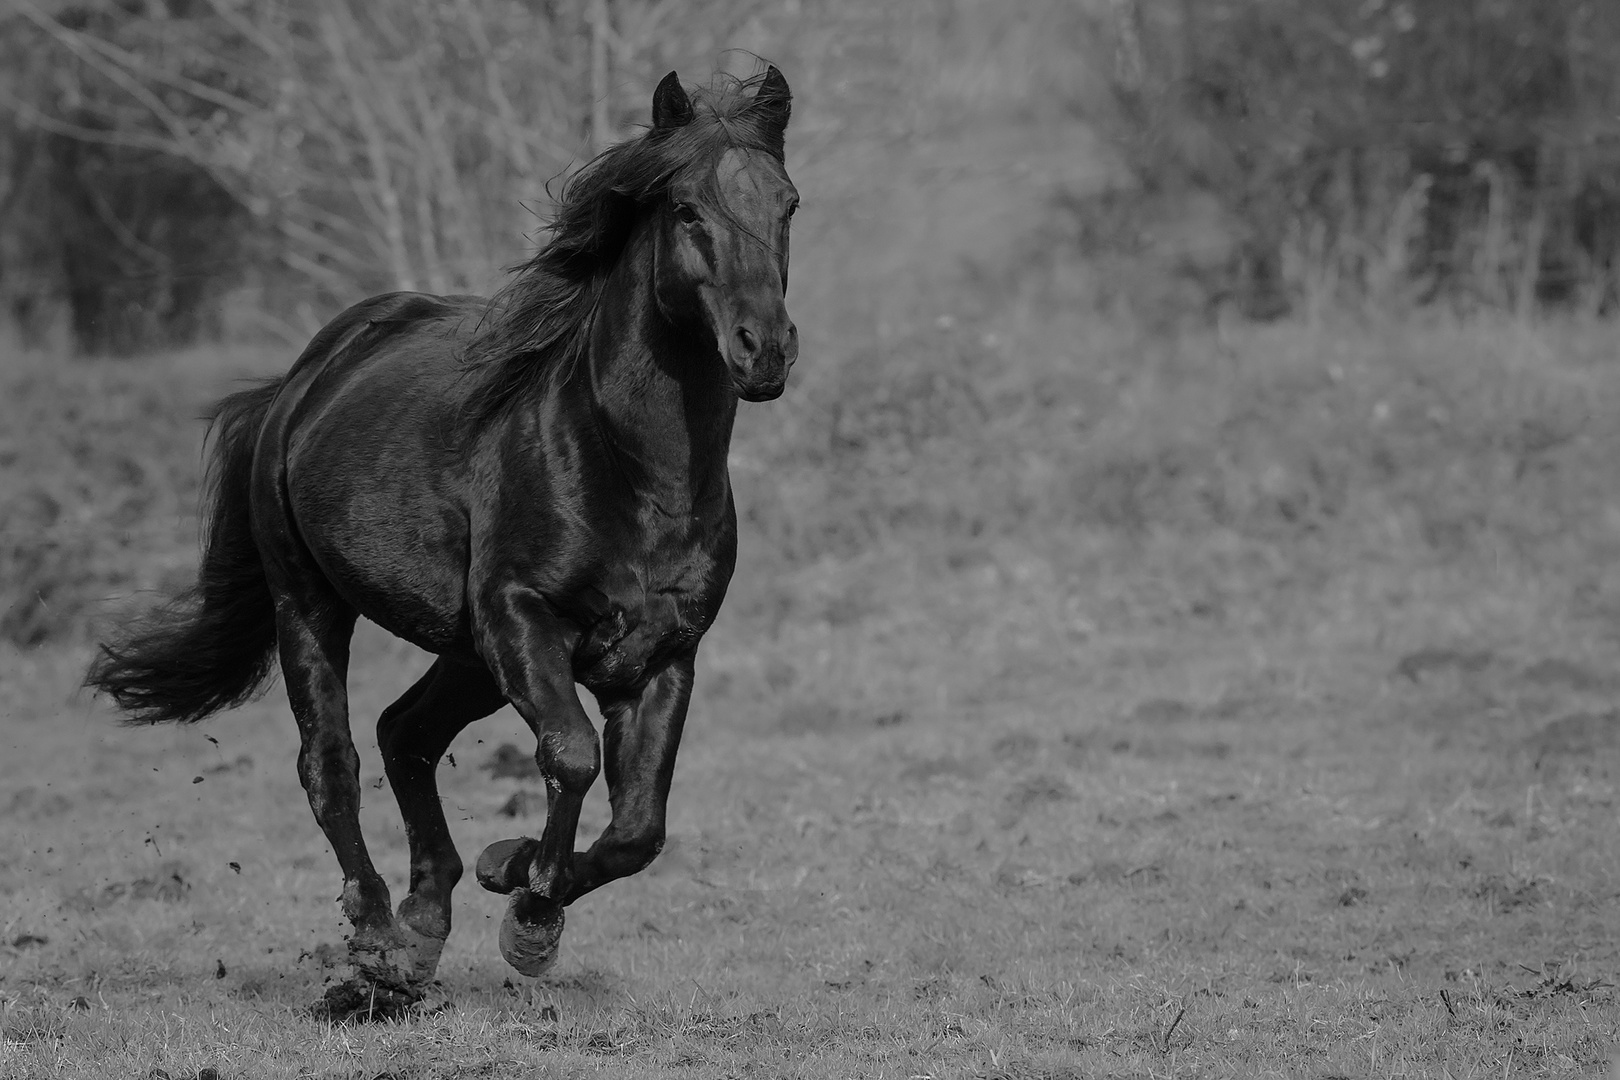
<point>165,161</point>
<point>1414,149</point>
<point>1114,311</point>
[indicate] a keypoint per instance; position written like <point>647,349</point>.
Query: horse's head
<point>722,241</point>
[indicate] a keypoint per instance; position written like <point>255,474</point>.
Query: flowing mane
<point>540,317</point>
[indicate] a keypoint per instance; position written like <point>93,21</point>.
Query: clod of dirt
<point>509,762</point>
<point>357,1001</point>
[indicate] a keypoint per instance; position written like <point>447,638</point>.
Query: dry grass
<point>1082,799</point>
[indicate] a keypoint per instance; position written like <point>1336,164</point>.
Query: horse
<point>534,489</point>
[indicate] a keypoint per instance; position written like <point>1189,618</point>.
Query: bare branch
<point>139,66</point>
<point>74,42</point>
<point>386,194</point>
<point>234,19</point>
<point>31,114</point>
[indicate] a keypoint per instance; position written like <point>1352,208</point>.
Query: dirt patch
<point>1426,663</point>
<point>357,1001</point>
<point>1509,893</point>
<point>803,716</point>
<point>509,762</point>
<point>1567,675</point>
<point>1578,735</point>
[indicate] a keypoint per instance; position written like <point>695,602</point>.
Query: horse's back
<point>362,464</point>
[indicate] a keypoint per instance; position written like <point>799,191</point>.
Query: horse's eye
<point>686,213</point>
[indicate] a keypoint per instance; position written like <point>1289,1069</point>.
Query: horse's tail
<point>212,646</point>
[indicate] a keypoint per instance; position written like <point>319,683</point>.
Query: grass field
<point>1150,796</point>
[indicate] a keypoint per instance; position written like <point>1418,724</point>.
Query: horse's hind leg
<point>413,734</point>
<point>313,628</point>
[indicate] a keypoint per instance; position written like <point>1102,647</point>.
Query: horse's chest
<point>641,615</point>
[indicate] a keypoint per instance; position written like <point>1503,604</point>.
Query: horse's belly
<point>397,587</point>
<point>398,564</point>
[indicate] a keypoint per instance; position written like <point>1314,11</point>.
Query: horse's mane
<point>540,318</point>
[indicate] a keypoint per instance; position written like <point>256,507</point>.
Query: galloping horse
<point>533,488</point>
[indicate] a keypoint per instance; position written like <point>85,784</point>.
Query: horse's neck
<point>660,397</point>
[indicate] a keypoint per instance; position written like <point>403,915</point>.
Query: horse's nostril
<point>747,341</point>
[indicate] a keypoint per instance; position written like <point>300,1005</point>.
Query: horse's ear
<point>774,98</point>
<point>671,107</point>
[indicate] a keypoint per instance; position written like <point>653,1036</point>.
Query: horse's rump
<point>367,461</point>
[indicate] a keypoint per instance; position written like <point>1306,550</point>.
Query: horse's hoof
<point>395,957</point>
<point>423,928</point>
<point>421,955</point>
<point>504,865</point>
<point>531,932</point>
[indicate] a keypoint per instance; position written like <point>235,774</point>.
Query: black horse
<point>533,488</point>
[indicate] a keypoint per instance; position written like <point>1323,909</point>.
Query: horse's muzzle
<point>760,361</point>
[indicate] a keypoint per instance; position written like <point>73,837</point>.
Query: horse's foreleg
<point>641,738</point>
<point>530,654</point>
<point>413,734</point>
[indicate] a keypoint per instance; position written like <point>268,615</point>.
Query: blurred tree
<point>1465,148</point>
<point>178,145</point>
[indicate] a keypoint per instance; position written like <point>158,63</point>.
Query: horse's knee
<point>570,759</point>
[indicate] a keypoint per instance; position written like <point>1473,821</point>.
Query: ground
<point>1043,802</point>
